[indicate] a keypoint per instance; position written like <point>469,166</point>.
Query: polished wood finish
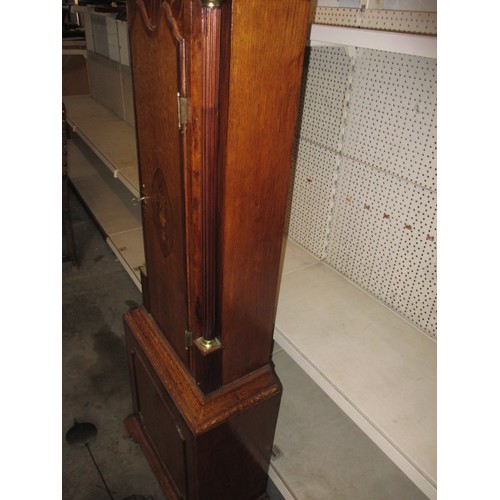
<point>215,195</point>
<point>216,87</point>
<point>211,22</point>
<point>265,65</point>
<point>207,363</point>
<point>158,62</point>
<point>201,447</point>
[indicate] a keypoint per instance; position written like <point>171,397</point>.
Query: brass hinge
<point>182,110</point>
<point>188,339</point>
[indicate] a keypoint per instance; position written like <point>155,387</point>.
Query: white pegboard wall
<point>402,21</point>
<point>384,239</point>
<point>326,79</point>
<point>313,187</point>
<point>368,206</point>
<point>392,115</point>
<point>335,16</point>
<point>328,70</point>
<point>355,225</point>
<point>432,323</point>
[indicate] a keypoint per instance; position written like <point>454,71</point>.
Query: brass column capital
<point>211,4</point>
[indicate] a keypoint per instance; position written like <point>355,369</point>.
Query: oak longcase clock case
<point>216,86</point>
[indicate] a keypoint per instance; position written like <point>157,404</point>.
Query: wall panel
<point>364,191</point>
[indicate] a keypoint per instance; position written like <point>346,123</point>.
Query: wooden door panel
<point>159,78</point>
<point>161,423</point>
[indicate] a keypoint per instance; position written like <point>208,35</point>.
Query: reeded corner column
<point>207,352</point>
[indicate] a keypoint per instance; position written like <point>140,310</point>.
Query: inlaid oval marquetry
<point>162,213</point>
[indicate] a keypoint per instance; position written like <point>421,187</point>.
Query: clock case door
<point>216,87</point>
<point>158,55</point>
<point>176,51</point>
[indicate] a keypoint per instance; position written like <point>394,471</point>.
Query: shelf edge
<point>401,43</point>
<point>414,473</point>
<point>135,278</point>
<point>279,483</point>
<point>97,151</point>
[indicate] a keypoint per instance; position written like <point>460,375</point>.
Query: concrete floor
<point>95,376</point>
<point>96,385</point>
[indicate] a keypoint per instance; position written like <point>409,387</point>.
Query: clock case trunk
<point>216,87</point>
